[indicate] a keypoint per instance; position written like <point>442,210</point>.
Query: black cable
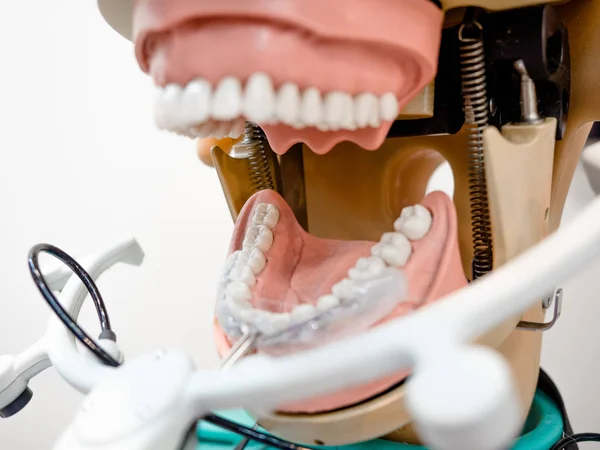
<point>250,433</point>
<point>63,315</point>
<point>580,437</point>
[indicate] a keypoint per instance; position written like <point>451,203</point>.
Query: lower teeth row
<point>243,266</point>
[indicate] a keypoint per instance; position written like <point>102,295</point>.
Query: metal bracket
<point>547,302</point>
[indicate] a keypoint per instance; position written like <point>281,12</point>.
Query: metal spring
<point>474,92</point>
<point>259,165</point>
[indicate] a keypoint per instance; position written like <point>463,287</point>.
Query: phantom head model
<point>325,121</point>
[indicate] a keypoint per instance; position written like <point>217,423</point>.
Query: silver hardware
<point>529,110</point>
<point>242,347</point>
<point>547,302</point>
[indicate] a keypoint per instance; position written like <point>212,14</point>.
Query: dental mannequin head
<point>360,102</point>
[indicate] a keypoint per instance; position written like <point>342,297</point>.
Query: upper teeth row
<point>187,109</point>
<point>393,250</point>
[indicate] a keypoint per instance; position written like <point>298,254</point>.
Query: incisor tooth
<point>227,101</point>
<point>238,128</point>
<point>311,108</point>
<point>195,102</point>
<point>334,110</point>
<point>259,101</point>
<point>414,222</point>
<point>287,107</point>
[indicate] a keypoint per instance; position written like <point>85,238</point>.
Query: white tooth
<point>395,249</point>
<point>170,105</point>
<point>206,129</point>
<point>248,315</point>
<point>264,239</point>
<point>270,323</point>
<point>250,237</point>
<point>334,109</point>
<point>160,119</point>
<point>237,129</point>
<point>227,101</point>
<point>414,222</point>
<point>271,217</point>
<point>322,127</point>
<point>259,101</point>
<point>374,116</point>
<point>327,302</point>
<point>238,291</point>
<point>366,268</point>
<point>256,261</point>
<point>302,313</point>
<point>345,290</point>
<point>311,108</point>
<point>259,214</point>
<point>287,107</point>
<point>388,106</point>
<point>243,274</point>
<point>230,263</point>
<point>376,251</point>
<point>195,102</point>
<point>365,109</point>
<point>222,129</point>
<point>348,119</point>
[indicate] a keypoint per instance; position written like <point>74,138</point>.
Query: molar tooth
<point>195,102</point>
<point>250,238</point>
<point>365,105</point>
<point>345,290</point>
<point>395,249</point>
<point>303,313</point>
<point>237,291</point>
<point>333,113</point>
<point>256,260</point>
<point>259,101</point>
<point>265,214</point>
<point>311,108</point>
<point>414,222</point>
<point>227,101</point>
<point>271,217</point>
<point>366,268</point>
<point>327,302</point>
<point>388,107</point>
<point>264,239</point>
<point>287,105</point>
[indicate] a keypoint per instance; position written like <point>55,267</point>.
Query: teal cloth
<point>544,427</point>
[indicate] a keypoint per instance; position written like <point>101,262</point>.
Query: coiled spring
<point>260,166</point>
<point>474,92</point>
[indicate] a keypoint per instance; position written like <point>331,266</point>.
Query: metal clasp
<point>554,299</point>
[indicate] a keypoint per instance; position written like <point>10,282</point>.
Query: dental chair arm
<point>57,347</point>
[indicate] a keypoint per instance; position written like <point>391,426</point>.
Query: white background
<point>82,165</point>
